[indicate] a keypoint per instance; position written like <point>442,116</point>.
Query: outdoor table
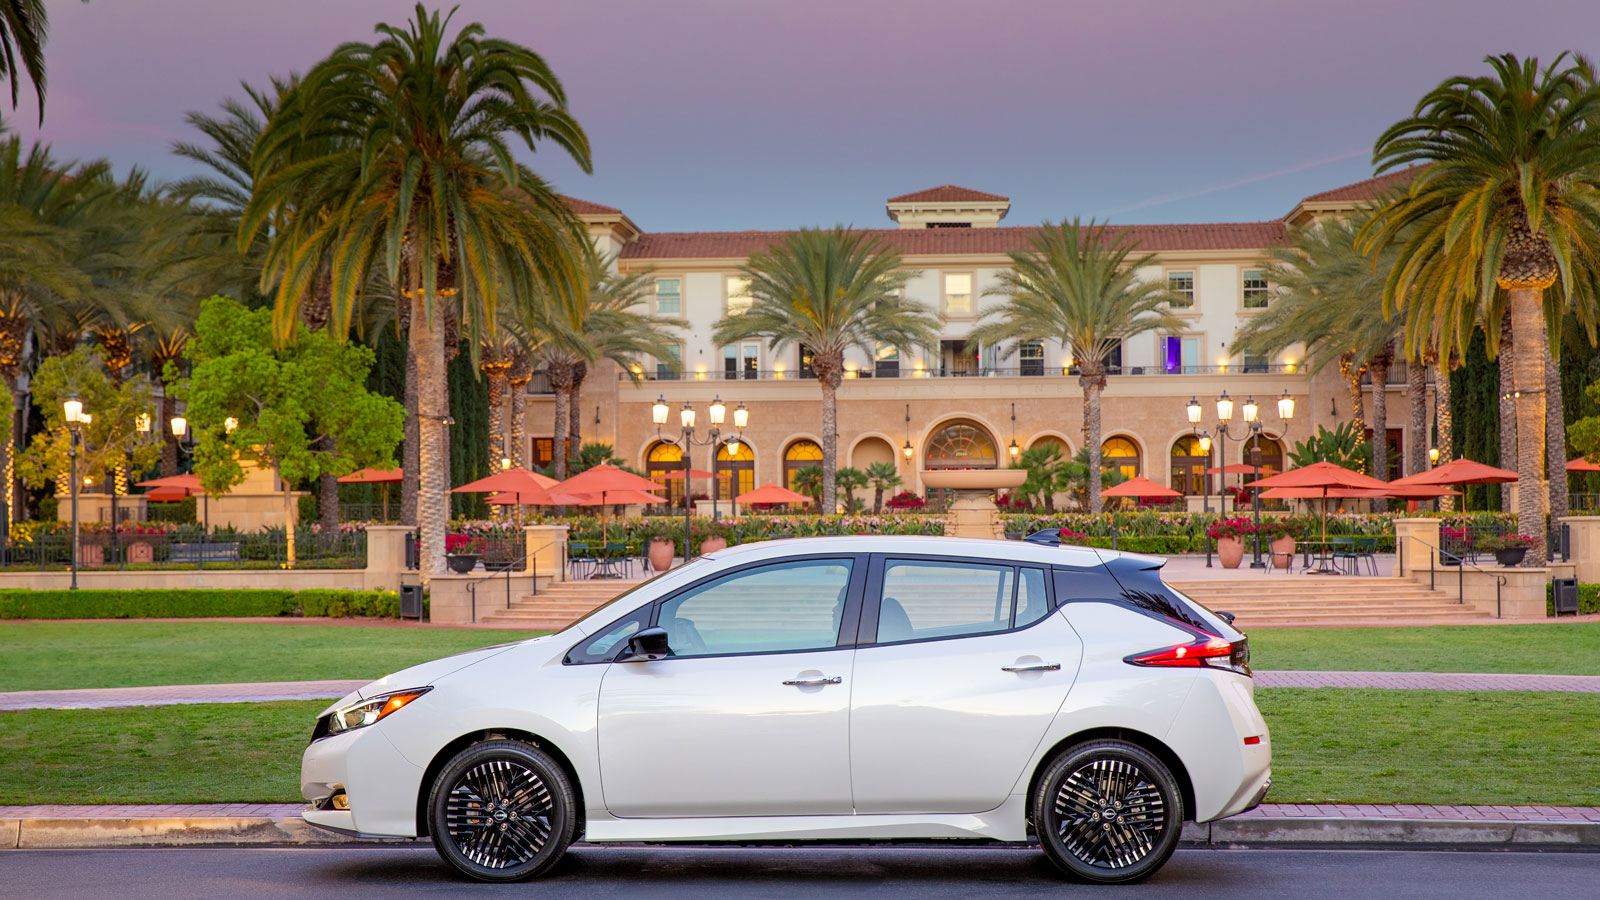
<point>1326,565</point>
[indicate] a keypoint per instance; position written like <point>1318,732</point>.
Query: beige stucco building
<point>948,406</point>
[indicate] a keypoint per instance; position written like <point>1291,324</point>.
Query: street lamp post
<point>1253,429</point>
<point>186,446</point>
<point>686,442</point>
<point>72,412</point>
<point>1253,421</point>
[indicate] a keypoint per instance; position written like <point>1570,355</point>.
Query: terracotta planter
<point>1230,551</point>
<point>712,545</point>
<point>1282,552</point>
<point>661,555</point>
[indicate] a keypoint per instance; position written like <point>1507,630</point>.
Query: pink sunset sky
<point>717,114</point>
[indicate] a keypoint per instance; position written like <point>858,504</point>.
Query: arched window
<point>736,472</point>
<point>1271,453</point>
<point>660,459</point>
<point>1189,466</point>
<point>1120,454</point>
<point>960,445</point>
<point>799,455</point>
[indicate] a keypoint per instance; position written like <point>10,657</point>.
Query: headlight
<point>366,712</point>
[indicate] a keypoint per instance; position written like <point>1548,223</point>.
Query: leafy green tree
<point>847,481</point>
<point>882,476</point>
<point>285,400</point>
<point>1343,446</point>
<point>1078,284</point>
<point>829,291</point>
<point>417,178</point>
<point>809,481</point>
<point>111,442</point>
<point>1503,210</point>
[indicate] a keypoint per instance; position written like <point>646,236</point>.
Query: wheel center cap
<point>1108,813</point>
<point>499,815</point>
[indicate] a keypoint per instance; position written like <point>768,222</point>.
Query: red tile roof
<point>951,241</point>
<point>585,208</point>
<point>1365,190</point>
<point>949,193</point>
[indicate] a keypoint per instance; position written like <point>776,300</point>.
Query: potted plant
<point>1229,535</point>
<point>1279,532</point>
<point>1508,549</point>
<point>462,552</point>
<point>661,535</point>
<point>716,537</point>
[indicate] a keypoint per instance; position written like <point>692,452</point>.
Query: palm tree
<point>1329,298</point>
<point>829,290</point>
<point>847,481</point>
<point>1078,284</point>
<point>1506,205</point>
<point>23,29</point>
<point>413,174</point>
<point>809,481</point>
<point>882,476</point>
<point>1049,473</point>
<point>618,329</point>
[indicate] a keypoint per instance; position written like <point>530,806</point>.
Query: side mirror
<point>649,644</point>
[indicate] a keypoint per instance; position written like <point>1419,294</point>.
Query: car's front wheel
<point>502,810</point>
<point>1108,812</point>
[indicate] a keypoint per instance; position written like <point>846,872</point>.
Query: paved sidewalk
<point>1428,681</point>
<point>166,695</point>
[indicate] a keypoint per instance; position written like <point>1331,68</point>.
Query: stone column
<point>1415,544</point>
<point>1585,535</point>
<point>386,557</point>
<point>547,549</point>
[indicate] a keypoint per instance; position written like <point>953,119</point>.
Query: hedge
<point>1588,599</point>
<point>182,604</point>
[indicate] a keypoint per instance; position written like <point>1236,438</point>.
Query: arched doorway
<point>962,444</point>
<point>1271,453</point>
<point>797,456</point>
<point>660,459</point>
<point>1120,454</point>
<point>1189,464</point>
<point>736,472</point>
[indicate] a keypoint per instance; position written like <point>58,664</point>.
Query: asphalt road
<point>747,873</point>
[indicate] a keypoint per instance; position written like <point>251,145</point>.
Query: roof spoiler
<point>1050,537</point>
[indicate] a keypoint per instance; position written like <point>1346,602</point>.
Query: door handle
<point>815,682</point>
<point>1032,667</point>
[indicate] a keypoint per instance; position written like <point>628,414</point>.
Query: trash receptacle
<point>1565,596</point>
<point>411,601</point>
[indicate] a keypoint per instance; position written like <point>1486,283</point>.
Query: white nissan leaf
<point>840,689</point>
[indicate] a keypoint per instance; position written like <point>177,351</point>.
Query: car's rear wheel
<point>502,811</point>
<point>1108,812</point>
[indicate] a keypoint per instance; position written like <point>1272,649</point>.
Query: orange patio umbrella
<point>1460,471</point>
<point>606,480</point>
<point>370,475</point>
<point>1326,479</point>
<point>1581,464</point>
<point>771,493</point>
<point>1140,486</point>
<point>178,487</point>
<point>529,488</point>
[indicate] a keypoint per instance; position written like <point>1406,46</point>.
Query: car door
<point>962,666</point>
<point>750,714</point>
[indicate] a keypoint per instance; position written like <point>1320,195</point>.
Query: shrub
<point>1588,599</point>
<point>342,604</point>
<point>1237,528</point>
<point>1492,543</point>
<point>184,604</point>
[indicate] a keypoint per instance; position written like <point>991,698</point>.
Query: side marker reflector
<point>1252,740</point>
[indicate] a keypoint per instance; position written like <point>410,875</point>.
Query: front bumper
<point>380,783</point>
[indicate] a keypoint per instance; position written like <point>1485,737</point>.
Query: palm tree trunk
<point>877,498</point>
<point>830,440</point>
<point>1528,362</point>
<point>1380,426</point>
<point>433,499</point>
<point>169,441</point>
<point>1444,422</point>
<point>328,492</point>
<point>1555,433</point>
<point>8,452</point>
<point>410,453</point>
<point>563,412</point>
<point>1508,409</point>
<point>575,407</point>
<point>494,373</point>
<point>517,413</point>
<point>1093,382</point>
<point>1417,406</point>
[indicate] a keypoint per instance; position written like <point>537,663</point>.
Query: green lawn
<point>1353,746</point>
<point>1565,649</point>
<point>59,655</point>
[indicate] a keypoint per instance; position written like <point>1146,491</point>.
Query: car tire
<point>502,810</point>
<point>1108,812</point>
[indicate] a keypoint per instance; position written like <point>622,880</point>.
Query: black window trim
<point>868,634</point>
<point>849,621</point>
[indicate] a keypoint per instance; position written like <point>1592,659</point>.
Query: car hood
<point>426,673</point>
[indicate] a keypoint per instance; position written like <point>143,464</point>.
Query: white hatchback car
<point>853,688</point>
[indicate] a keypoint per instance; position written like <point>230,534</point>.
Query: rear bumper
<point>1229,775</point>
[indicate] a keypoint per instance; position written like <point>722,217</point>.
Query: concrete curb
<point>1238,833</point>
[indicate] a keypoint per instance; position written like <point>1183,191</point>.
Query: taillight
<point>1206,653</point>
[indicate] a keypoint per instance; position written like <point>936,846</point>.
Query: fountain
<point>973,514</point>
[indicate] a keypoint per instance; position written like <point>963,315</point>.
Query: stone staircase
<point>556,606</point>
<point>1287,600</point>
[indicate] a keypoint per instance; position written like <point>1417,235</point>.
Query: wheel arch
<point>1139,738</point>
<point>448,751</point>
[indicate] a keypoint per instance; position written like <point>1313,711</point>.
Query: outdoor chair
<point>617,555</point>
<point>578,559</point>
<point>1344,552</point>
<point>1367,549</point>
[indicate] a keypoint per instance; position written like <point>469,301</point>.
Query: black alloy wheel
<point>502,810</point>
<point>1108,812</point>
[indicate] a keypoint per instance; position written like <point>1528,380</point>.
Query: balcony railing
<point>963,372</point>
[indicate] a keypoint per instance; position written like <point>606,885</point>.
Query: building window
<point>670,367</point>
<point>741,361</point>
<point>736,472</point>
<point>1255,289</point>
<point>1180,355</point>
<point>960,445</point>
<point>661,460</point>
<point>800,455</point>
<point>807,355</point>
<point>1182,284</point>
<point>1030,354</point>
<point>739,300</point>
<point>544,452</point>
<point>887,361</point>
<point>958,293</point>
<point>1272,455</point>
<point>1256,364</point>
<point>1121,455</point>
<point>669,297</point>
<point>1189,466</point>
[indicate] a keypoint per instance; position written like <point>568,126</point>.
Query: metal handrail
<point>530,567</point>
<point>1461,574</point>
